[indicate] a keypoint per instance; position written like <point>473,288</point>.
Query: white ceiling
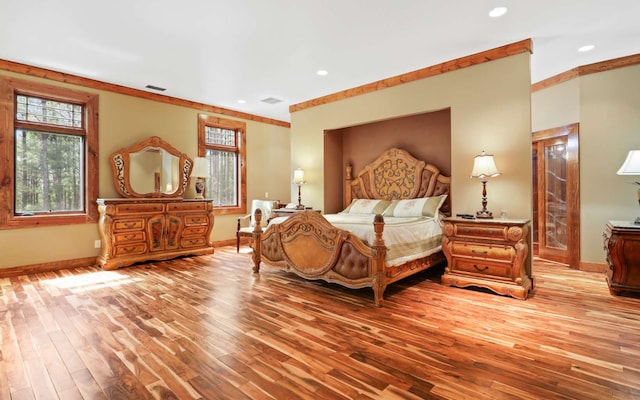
<point>218,52</point>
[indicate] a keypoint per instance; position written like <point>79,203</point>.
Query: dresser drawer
<point>187,206</point>
<point>134,209</point>
<point>482,267</point>
<point>478,231</point>
<point>483,251</point>
<point>187,242</point>
<point>195,230</point>
<point>128,224</point>
<point>129,237</point>
<point>130,250</point>
<point>196,220</point>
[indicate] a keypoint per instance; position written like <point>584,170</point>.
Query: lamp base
<point>300,207</point>
<point>200,186</point>
<point>484,214</point>
<point>637,221</point>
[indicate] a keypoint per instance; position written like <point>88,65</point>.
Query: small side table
<point>287,212</point>
<point>487,253</point>
<point>622,244</point>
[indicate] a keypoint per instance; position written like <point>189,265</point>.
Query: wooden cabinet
<point>491,254</point>
<point>287,212</point>
<point>135,230</point>
<point>622,244</point>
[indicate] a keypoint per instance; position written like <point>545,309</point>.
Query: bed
<point>390,228</point>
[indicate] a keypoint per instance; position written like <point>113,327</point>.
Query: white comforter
<point>406,238</point>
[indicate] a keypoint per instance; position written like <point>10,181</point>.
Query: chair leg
<point>237,242</point>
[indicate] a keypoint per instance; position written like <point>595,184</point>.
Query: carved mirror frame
<point>121,166</point>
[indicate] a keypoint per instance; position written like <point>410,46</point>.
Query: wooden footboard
<point>309,246</point>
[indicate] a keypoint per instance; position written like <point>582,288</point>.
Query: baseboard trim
<point>47,267</point>
<point>592,267</point>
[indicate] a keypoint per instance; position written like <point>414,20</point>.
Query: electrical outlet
<point>266,195</point>
<point>97,244</point>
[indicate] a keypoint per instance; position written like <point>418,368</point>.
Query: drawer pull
<point>129,249</point>
<point>478,252</point>
<point>129,224</point>
<point>197,220</point>
<point>481,269</point>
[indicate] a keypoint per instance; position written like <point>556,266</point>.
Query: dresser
<point>622,244</point>
<point>488,253</point>
<point>138,229</point>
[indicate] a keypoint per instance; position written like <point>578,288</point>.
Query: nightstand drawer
<point>482,267</point>
<point>479,231</point>
<point>483,251</point>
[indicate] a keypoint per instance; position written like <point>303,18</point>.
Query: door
<point>556,203</point>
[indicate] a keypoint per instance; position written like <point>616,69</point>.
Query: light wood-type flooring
<point>207,327</point>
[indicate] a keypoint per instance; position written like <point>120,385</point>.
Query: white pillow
<point>424,206</point>
<point>366,206</point>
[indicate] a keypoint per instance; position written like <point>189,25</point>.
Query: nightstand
<point>622,244</point>
<point>487,253</point>
<point>287,212</point>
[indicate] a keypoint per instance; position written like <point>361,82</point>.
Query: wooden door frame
<point>571,131</point>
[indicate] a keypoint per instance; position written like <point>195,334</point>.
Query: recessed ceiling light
<point>322,72</point>
<point>242,101</point>
<point>498,12</point>
<point>588,47</point>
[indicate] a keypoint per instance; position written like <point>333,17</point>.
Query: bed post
<point>347,185</point>
<point>379,283</point>
<point>256,237</point>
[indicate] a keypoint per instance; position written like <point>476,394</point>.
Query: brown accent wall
<point>426,136</point>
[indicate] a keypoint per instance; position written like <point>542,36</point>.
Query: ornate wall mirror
<point>151,168</point>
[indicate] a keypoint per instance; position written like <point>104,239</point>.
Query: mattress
<point>406,238</point>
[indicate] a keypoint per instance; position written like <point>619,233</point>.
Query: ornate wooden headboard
<point>397,175</point>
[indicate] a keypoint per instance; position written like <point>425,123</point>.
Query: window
<point>50,139</point>
<point>222,143</point>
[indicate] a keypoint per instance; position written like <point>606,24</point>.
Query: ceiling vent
<point>271,100</point>
<point>159,89</point>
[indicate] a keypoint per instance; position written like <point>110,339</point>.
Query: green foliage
<point>49,175</point>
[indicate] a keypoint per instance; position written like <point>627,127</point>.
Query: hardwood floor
<point>207,327</point>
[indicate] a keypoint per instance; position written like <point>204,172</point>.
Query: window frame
<point>240,128</point>
<point>9,89</point>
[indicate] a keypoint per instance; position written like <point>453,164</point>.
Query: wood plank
<point>207,327</point>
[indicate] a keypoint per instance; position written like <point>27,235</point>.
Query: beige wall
<point>490,110</point>
<point>123,121</point>
<point>606,105</point>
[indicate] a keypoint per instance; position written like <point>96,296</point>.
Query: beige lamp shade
<point>298,176</point>
<point>484,167</point>
<point>631,165</point>
<point>200,167</point>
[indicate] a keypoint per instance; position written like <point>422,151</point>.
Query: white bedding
<point>406,238</point>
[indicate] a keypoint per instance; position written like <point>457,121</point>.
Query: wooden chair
<point>247,222</point>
